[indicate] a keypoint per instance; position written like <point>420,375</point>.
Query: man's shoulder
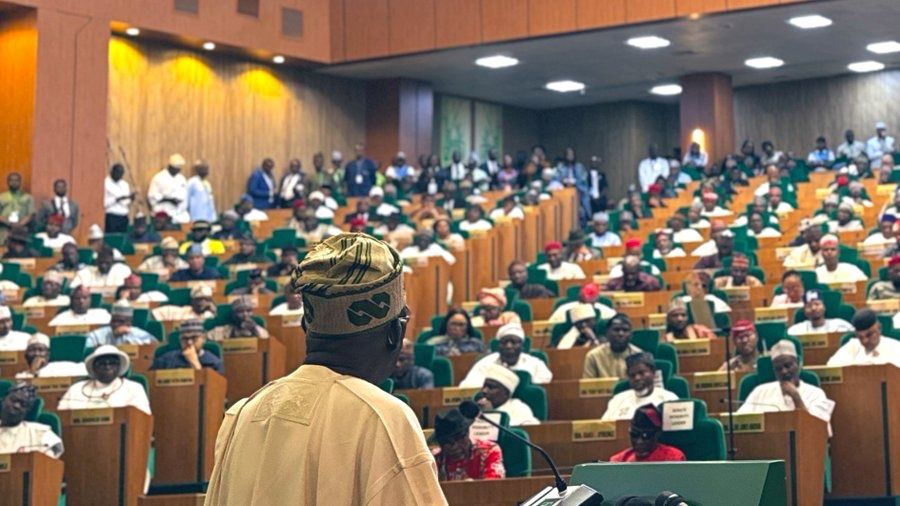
<point>602,349</point>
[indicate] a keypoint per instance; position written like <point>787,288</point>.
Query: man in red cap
<point>588,294</point>
<point>646,427</point>
<point>744,350</point>
<point>556,268</point>
<point>52,236</point>
<point>711,207</point>
<point>633,247</point>
<point>890,289</point>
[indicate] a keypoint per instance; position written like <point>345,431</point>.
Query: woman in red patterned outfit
<point>459,457</point>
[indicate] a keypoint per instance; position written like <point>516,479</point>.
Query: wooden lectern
<point>250,363</point>
<point>107,450</point>
<point>30,479</point>
<point>188,407</point>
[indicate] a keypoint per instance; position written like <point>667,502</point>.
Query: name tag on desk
<point>692,347</point>
<point>451,396</point>
<point>713,380</point>
<point>816,340</point>
<point>745,422</point>
<point>9,357</point>
<point>770,314</point>
<point>828,375</point>
<point>240,345</point>
<point>103,416</point>
<point>59,384</point>
<point>593,430</point>
<point>174,377</point>
<point>596,387</point>
<point>737,293</point>
<point>884,307</point>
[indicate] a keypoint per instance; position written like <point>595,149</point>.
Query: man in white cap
<point>788,392</point>
<point>583,318</point>
<point>832,269</point>
<point>601,236</point>
<point>10,340</point>
<point>119,331</point>
<point>641,375</point>
<point>496,394</point>
<point>96,242</point>
<point>511,338</point>
<point>201,307</point>
<point>845,220</point>
<point>878,145</point>
<point>382,208</point>
<point>399,169</point>
<point>424,246</point>
<point>168,190</point>
<point>330,412</point>
<point>317,204</point>
<point>816,322</point>
<point>80,311</point>
<point>869,347</point>
<point>37,357</point>
<point>104,275</point>
<point>166,262</point>
<point>107,386</point>
<point>19,436</point>
<point>51,283</point>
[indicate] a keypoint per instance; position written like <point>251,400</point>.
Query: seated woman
<point>456,335</point>
<point>106,388</point>
<point>443,234</point>
<point>459,458</point>
<point>474,220</point>
<point>491,304</point>
<point>496,395</point>
<point>641,372</point>
<point>792,290</point>
<point>645,446</point>
<point>665,248</point>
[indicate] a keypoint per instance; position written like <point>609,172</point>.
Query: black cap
<point>449,425</point>
<point>864,319</point>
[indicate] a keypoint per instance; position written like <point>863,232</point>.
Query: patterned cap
<point>350,283</point>
<point>169,243</point>
<point>192,326</point>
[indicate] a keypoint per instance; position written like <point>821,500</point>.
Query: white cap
<point>511,329</point>
<point>5,312</point>
<point>107,349</point>
<point>783,347</point>
<point>400,154</point>
<point>581,312</point>
<point>39,338</point>
<point>317,195</point>
<point>880,126</point>
<point>176,160</point>
<point>337,155</point>
<point>199,291</point>
<point>95,232</point>
<point>502,375</point>
<point>53,275</point>
<point>376,191</point>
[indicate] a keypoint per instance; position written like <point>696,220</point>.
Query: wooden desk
<point>30,479</point>
<point>569,444</point>
<point>12,362</point>
<point>172,500</point>
<point>578,399</point>
<point>52,389</point>
<point>287,330</point>
<point>426,403</point>
<point>188,407</point>
<point>111,448</point>
<point>796,437</point>
<point>493,492</point>
<point>141,356</point>
<point>567,364</point>
<point>250,363</point>
<point>699,354</point>
<point>711,387</point>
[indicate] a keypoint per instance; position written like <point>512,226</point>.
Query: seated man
<point>286,264</point>
<point>247,254</point>
<point>641,371</point>
<point>646,426</point>
<point>11,340</point>
<point>52,236</point>
<point>256,285</point>
<point>556,268</point>
<point>491,304</point>
<point>633,279</point>
<point>166,262</point>
<point>664,247</point>
<point>633,246</point>
<point>695,284</point>
<point>608,359</point>
<point>241,325</point>
<point>141,233</point>
<point>738,274</point>
<point>756,227</point>
<point>97,242</point>
<point>724,248</point>
<point>200,308</point>
<point>787,392</point>
<point>17,244</point>
<point>677,326</point>
<point>886,236</point>
<point>511,338</point>
<point>576,250</point>
<point>601,236</point>
<point>107,386</point>
<point>792,291</point>
<point>496,395</point>
<point>890,289</point>
<point>583,318</point>
<point>844,219</point>
<point>132,293</point>
<point>710,247</point>
<point>745,351</point>
<point>395,232</point>
<point>459,457</point>
<point>19,436</point>
<point>249,213</point>
<point>407,375</point>
<point>423,246</point>
<point>191,355</point>
<point>200,237</point>
<point>695,219</point>
<point>50,296</point>
<point>816,323</point>
<point>105,275</point>
<point>119,331</point>
<point>777,205</point>
<point>37,357</point>
<point>70,262</point>
<point>80,311</point>
<point>589,294</point>
<point>711,208</point>
<point>292,305</point>
<point>227,229</point>
<point>808,255</point>
<point>197,269</point>
<point>518,280</point>
<point>456,335</point>
<point>677,223</point>
<point>869,347</point>
<point>832,270</point>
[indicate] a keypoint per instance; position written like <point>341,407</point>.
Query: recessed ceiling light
<point>497,61</point>
<point>666,89</point>
<point>209,46</point>
<point>133,31</point>
<point>278,59</point>
<point>866,66</point>
<point>808,22</point>
<point>764,62</point>
<point>888,46</point>
<point>648,42</point>
<point>564,86</point>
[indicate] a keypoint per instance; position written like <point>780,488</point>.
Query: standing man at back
<point>326,434</point>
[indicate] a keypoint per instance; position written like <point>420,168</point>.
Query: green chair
<point>67,347</point>
<point>387,385</point>
<point>440,367</point>
<point>705,442</point>
<point>282,237</point>
<point>533,395</point>
<point>141,379</point>
<point>766,374</point>
<point>516,454</point>
<point>51,420</point>
<point>180,296</point>
<point>649,341</point>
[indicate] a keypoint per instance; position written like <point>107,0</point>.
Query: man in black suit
<point>60,203</point>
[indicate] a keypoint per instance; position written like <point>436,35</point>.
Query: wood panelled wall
<point>363,29</point>
<point>793,114</point>
<point>18,63</point>
<point>164,100</point>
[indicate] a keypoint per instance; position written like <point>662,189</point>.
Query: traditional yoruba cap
<point>201,291</point>
<point>783,347</point>
<point>95,232</point>
<point>241,303</point>
<point>492,297</point>
<point>376,191</point>
<point>122,308</point>
<point>502,375</point>
<point>317,195</point>
<point>39,338</point>
<point>654,189</point>
<point>232,214</point>
<point>864,319</point>
<point>53,276</point>
<point>589,292</point>
<point>5,312</point>
<point>168,243</point>
<point>295,204</point>
<point>894,260</point>
<point>103,351</point>
<point>511,329</point>
<point>880,125</point>
<point>580,312</point>
<point>632,242</point>
<point>828,240</point>
<point>133,280</point>
<point>350,283</point>
<point>647,418</point>
<point>811,295</point>
<point>176,160</point>
<point>449,426</point>
<point>192,326</point>
<point>56,219</point>
<point>199,225</point>
<point>601,216</point>
<point>742,326</point>
<point>194,250</point>
<point>552,246</point>
<point>26,388</point>
<point>805,224</point>
<point>357,221</point>
<point>81,289</point>
<point>676,304</point>
<point>738,260</point>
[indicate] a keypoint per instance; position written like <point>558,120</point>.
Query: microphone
<point>669,498</point>
<point>761,404</point>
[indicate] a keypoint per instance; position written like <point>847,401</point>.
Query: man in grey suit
<point>60,203</point>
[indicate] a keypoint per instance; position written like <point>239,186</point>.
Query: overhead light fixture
<point>809,22</point>
<point>866,66</point>
<point>886,47</point>
<point>497,61</point>
<point>648,42</point>
<point>564,86</point>
<point>209,46</point>
<point>133,31</point>
<point>764,62</point>
<point>278,59</point>
<point>666,90</point>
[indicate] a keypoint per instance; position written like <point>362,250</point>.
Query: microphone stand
<point>732,451</point>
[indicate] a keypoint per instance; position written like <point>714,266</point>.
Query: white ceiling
<point>614,71</point>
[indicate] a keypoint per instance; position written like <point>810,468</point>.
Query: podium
<point>250,363</point>
<point>30,479</point>
<point>188,407</point>
<point>493,492</point>
<point>108,448</point>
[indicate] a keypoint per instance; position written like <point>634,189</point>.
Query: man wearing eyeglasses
<point>645,446</point>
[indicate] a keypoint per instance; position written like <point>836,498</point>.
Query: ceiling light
<point>666,89</point>
<point>888,46</point>
<point>865,66</point>
<point>133,31</point>
<point>764,62</point>
<point>496,62</point>
<point>648,42</point>
<point>564,86</point>
<point>209,46</point>
<point>278,59</point>
<point>808,22</point>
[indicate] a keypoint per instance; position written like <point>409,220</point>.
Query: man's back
<point>318,437</point>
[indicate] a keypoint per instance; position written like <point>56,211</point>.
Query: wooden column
<point>398,118</point>
<point>706,104</point>
<point>18,61</point>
